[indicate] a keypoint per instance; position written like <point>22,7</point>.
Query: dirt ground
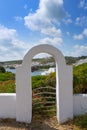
<point>47,124</point>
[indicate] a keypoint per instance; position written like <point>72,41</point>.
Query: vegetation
<point>44,95</point>
<point>79,122</point>
<point>71,60</point>
<point>7,86</point>
<point>12,62</point>
<point>38,81</point>
<point>7,76</point>
<point>80,78</point>
<point>7,81</point>
<point>43,81</point>
<point>2,69</point>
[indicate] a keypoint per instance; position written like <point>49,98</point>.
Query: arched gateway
<point>64,93</point>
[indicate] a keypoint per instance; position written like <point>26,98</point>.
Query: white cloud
<point>18,18</point>
<point>78,37</point>
<point>47,13</point>
<point>78,50</point>
<point>6,33</point>
<point>67,21</point>
<point>81,36</point>
<point>81,21</point>
<point>83,4</point>
<point>46,17</point>
<point>52,32</point>
<point>85,32</point>
<point>53,41</point>
<point>10,46</point>
<point>3,48</point>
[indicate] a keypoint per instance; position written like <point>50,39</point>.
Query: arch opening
<point>43,86</point>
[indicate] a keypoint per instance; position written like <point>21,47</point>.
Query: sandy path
<point>50,124</point>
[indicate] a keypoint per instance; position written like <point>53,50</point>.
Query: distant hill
<point>69,60</point>
<point>72,60</point>
<point>81,61</point>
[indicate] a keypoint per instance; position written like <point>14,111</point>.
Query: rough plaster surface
<point>7,105</point>
<point>80,104</point>
<point>64,96</point>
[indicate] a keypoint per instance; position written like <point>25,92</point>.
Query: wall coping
<point>7,94</point>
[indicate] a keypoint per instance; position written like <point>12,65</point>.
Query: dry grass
<point>40,124</point>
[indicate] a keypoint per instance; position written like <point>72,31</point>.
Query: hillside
<point>69,60</point>
<point>80,78</point>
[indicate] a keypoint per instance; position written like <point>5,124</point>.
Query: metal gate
<point>44,101</point>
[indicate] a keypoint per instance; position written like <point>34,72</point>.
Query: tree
<point>2,69</point>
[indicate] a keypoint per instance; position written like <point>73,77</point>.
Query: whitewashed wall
<point>7,105</point>
<point>79,104</point>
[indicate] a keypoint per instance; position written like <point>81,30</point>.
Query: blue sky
<point>26,23</point>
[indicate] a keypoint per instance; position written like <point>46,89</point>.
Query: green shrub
<point>7,76</point>
<point>51,80</point>
<point>7,86</point>
<point>38,81</point>
<point>2,69</point>
<point>80,78</point>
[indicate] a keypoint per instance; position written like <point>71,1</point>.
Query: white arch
<point>64,96</point>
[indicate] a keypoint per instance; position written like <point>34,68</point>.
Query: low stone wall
<point>7,105</point>
<point>79,104</point>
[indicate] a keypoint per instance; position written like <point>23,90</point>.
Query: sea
<point>32,73</point>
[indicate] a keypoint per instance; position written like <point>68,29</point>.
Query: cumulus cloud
<point>6,33</point>
<point>52,32</point>
<point>81,36</point>
<point>46,19</point>
<point>53,41</point>
<point>67,21</point>
<point>81,21</point>
<point>10,46</point>
<point>83,4</point>
<point>47,13</point>
<point>85,32</point>
<point>78,37</point>
<point>78,50</point>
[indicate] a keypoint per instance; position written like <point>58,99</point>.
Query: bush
<point>7,86</point>
<point>7,76</point>
<point>38,81</point>
<point>80,78</point>
<point>2,69</point>
<point>51,80</point>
